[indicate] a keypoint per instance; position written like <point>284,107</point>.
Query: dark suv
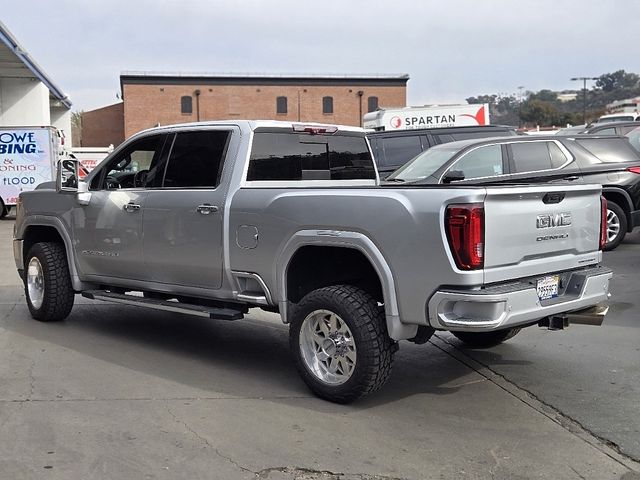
<point>608,160</point>
<point>392,149</point>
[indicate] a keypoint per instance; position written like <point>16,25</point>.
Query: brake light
<point>315,129</point>
<point>634,170</point>
<point>465,233</point>
<point>603,222</point>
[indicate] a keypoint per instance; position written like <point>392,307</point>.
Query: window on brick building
<point>186,104</point>
<point>372,104</point>
<point>327,104</point>
<point>281,105</point>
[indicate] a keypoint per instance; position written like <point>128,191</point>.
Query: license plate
<point>547,287</point>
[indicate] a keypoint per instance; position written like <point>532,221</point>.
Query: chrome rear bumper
<point>515,304</point>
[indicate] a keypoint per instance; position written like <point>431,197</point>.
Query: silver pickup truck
<point>212,219</point>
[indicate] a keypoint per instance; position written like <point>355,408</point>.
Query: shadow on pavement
<point>246,358</point>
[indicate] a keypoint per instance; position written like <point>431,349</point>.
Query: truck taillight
<point>603,222</point>
<point>465,232</point>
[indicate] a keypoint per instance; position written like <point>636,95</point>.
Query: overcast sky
<point>452,49</point>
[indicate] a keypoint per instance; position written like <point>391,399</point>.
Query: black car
<point>392,149</point>
<point>607,160</point>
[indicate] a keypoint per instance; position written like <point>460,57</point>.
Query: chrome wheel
<point>327,347</point>
<point>613,225</point>
<point>35,283</point>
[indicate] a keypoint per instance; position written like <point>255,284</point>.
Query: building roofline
<point>182,78</point>
<point>19,51</point>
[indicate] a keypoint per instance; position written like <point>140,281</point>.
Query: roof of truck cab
<point>249,125</point>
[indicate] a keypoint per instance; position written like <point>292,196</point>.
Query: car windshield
<point>634,138</point>
<point>424,164</point>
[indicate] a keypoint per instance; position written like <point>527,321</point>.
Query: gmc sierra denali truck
<point>212,219</point>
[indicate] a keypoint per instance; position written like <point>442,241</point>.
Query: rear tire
<point>616,225</point>
<point>47,282</point>
<point>338,338</point>
<point>486,339</point>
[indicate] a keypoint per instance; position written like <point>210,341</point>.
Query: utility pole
<point>584,94</point>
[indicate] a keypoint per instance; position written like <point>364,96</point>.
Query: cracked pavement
<point>122,392</point>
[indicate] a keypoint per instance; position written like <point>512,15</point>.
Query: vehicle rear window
<point>610,150</point>
<point>289,156</point>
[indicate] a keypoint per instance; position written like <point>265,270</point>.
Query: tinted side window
<point>399,150</point>
<point>609,149</point>
<point>606,131</point>
<point>627,129</point>
<point>286,156</point>
<point>481,162</point>
<point>196,159</point>
<point>534,156</point>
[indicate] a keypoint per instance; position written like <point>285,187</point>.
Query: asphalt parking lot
<point>123,392</point>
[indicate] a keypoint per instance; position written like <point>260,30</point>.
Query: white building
<point>28,97</point>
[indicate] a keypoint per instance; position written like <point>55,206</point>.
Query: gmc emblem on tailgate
<point>554,220</point>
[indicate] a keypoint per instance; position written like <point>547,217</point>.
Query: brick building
<point>152,99</point>
<point>102,127</point>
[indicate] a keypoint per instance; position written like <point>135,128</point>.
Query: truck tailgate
<point>540,229</point>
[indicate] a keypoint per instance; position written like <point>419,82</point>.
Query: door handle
<point>206,209</point>
<point>131,207</point>
<point>572,178</point>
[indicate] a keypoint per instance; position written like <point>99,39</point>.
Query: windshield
<point>425,164</point>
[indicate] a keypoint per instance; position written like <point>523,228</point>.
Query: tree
<point>539,112</point>
<point>617,80</point>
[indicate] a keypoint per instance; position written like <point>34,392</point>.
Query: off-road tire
<point>366,320</point>
<point>486,339</point>
<point>58,295</point>
<point>622,219</point>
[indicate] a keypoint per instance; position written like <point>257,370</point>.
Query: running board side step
<point>197,310</point>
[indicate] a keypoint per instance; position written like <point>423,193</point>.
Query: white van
<point>28,157</point>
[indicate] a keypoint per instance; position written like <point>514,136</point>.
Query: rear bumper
<point>515,304</point>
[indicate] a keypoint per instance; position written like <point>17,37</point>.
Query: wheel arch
<point>50,229</point>
<point>622,198</point>
<point>357,250</point>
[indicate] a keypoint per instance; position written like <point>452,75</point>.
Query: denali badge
<point>553,220</point>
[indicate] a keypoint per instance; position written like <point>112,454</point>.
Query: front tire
<point>338,338</point>
<point>616,225</point>
<point>486,339</point>
<point>47,282</point>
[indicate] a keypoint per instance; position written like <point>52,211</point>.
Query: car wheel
<point>486,339</point>
<point>3,209</point>
<point>47,282</point>
<point>339,340</point>
<point>616,225</point>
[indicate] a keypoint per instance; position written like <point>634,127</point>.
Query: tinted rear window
<point>610,150</point>
<point>287,156</point>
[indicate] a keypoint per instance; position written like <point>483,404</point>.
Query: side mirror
<point>453,176</point>
<point>67,175</point>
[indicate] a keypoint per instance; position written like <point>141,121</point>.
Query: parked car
<point>393,148</point>
<point>607,160</point>
<point>220,217</point>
